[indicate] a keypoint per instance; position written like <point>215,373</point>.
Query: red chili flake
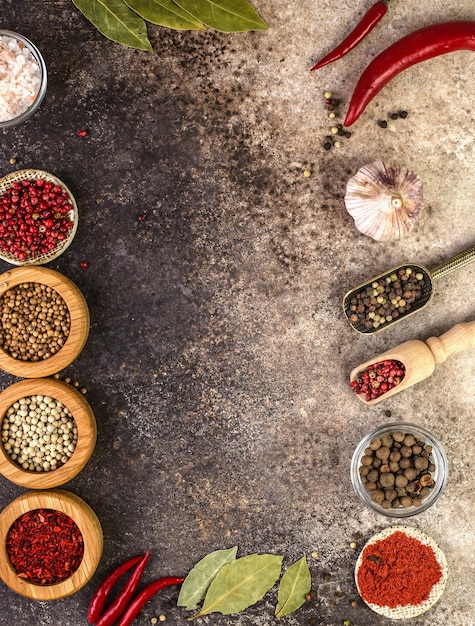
<point>142,217</point>
<point>379,378</point>
<point>83,132</point>
<point>44,546</point>
<point>84,265</point>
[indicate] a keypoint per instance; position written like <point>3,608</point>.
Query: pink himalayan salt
<point>20,78</point>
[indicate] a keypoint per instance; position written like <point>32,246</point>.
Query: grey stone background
<point>218,359</point>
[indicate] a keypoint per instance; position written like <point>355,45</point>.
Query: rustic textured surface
<point>218,358</point>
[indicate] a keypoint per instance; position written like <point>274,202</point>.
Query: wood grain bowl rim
<point>85,422</point>
<point>79,315</point>
<point>88,523</point>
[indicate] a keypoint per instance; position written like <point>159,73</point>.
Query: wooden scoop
<point>420,358</point>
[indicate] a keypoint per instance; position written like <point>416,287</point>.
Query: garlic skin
<point>385,200</point>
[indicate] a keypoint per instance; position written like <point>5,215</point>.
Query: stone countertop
<point>218,359</point>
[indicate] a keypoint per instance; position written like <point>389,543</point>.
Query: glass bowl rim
<point>440,459</point>
<point>14,121</point>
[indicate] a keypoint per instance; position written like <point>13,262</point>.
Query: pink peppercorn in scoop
<point>378,378</point>
<point>38,217</point>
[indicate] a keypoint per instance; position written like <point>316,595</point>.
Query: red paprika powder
<point>398,570</point>
<point>45,546</point>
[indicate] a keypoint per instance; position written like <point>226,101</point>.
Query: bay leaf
<point>196,584</point>
<point>241,583</point>
<point>227,16</point>
<point>293,589</point>
<point>165,13</point>
<point>116,21</point>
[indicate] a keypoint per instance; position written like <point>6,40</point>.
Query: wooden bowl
<point>79,328</point>
<point>88,523</point>
<point>86,438</point>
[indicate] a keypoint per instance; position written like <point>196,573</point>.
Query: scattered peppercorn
<point>378,378</point>
<point>82,133</point>
<point>394,116</point>
<point>382,123</point>
<point>84,265</point>
<point>142,217</point>
<point>403,114</point>
<point>396,469</point>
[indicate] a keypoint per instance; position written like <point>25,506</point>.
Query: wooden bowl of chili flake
<point>38,217</point>
<point>44,321</point>
<point>48,433</point>
<point>401,572</point>
<point>50,544</point>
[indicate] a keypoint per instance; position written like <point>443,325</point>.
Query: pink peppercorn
<point>379,378</point>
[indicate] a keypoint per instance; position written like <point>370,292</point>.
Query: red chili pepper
<point>141,598</point>
<point>118,606</point>
<point>100,597</point>
<point>418,46</point>
<point>364,26</point>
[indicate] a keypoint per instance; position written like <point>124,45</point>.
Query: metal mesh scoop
<point>396,294</point>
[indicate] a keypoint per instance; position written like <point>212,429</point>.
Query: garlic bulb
<point>385,200</point>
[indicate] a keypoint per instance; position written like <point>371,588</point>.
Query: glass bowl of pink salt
<point>23,78</point>
<point>399,469</point>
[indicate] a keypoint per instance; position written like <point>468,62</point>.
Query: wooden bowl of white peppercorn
<point>44,321</point>
<point>48,433</point>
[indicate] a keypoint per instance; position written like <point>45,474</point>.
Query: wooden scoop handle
<point>458,338</point>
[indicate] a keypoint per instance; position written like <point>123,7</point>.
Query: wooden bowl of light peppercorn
<point>48,433</point>
<point>44,322</point>
<point>399,469</point>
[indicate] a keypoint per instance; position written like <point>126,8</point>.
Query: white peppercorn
<point>34,442</point>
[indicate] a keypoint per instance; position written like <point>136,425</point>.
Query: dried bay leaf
<point>241,583</point>
<point>165,13</point>
<point>293,589</point>
<point>116,21</point>
<point>227,16</point>
<point>196,584</point>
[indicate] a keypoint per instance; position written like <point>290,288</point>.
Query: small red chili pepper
<point>420,45</point>
<point>102,593</point>
<point>148,592</point>
<point>118,606</point>
<point>363,28</point>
